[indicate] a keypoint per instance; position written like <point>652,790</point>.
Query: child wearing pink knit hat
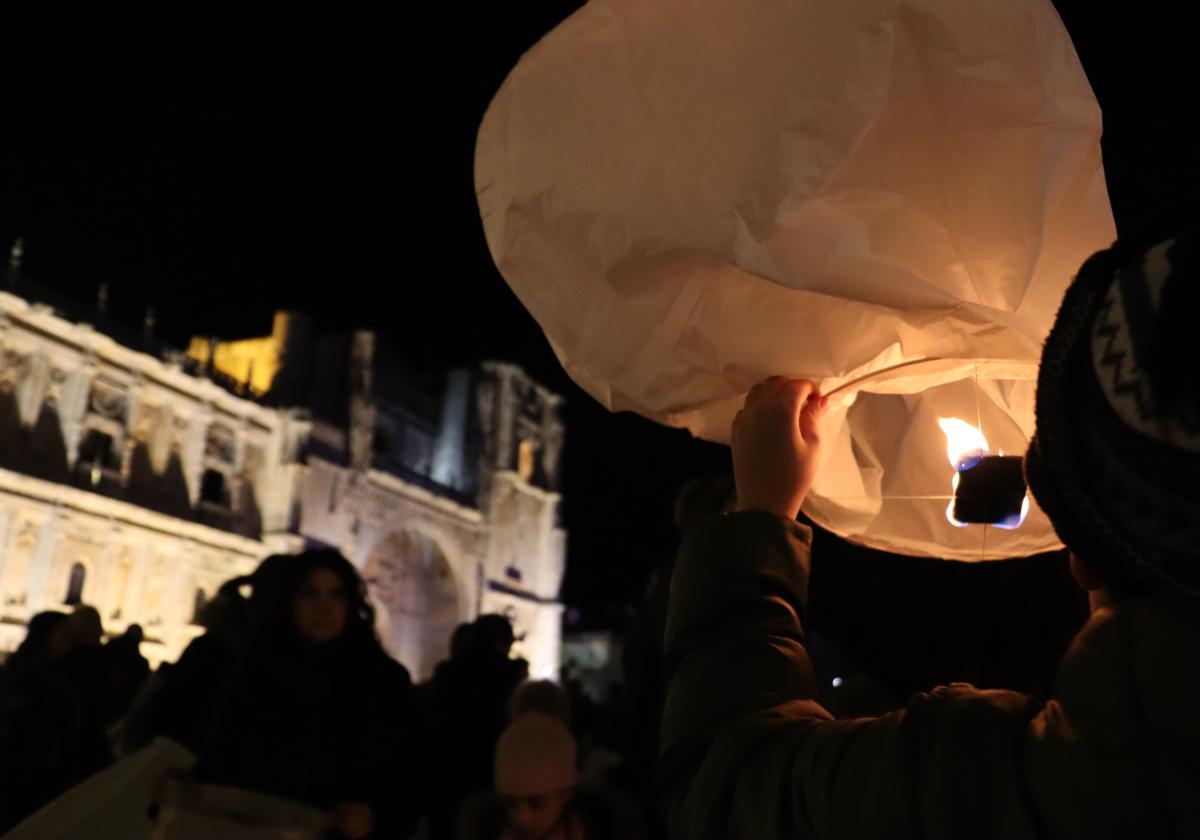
<point>536,778</point>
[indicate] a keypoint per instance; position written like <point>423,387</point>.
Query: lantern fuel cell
<point>991,492</point>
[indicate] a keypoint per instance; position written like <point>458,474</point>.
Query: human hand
<point>353,820</point>
<point>775,445</point>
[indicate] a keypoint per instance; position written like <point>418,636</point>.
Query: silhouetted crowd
<point>289,694</point>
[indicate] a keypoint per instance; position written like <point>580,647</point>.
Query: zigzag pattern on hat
<point>1130,392</point>
<point>1113,357</point>
<point>1125,501</point>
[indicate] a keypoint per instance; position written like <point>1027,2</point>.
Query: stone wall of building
<point>60,546</point>
<point>149,485</point>
<point>131,485</point>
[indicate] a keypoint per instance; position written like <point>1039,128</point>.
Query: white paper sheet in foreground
<point>692,196</point>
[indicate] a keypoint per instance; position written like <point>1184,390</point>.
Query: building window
<point>381,441</point>
<point>100,449</point>
<point>98,465</point>
<point>526,459</point>
<point>214,489</point>
<point>199,602</point>
<point>75,585</point>
<point>418,448</point>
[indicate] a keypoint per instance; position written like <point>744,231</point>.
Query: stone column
<point>192,452</point>
<point>72,408</point>
<point>42,565</point>
<point>6,521</point>
<point>506,411</point>
<point>362,400</point>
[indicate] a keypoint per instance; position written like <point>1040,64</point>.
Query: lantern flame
<point>965,447</point>
<point>950,507</point>
<point>965,444</point>
<point>1014,522</point>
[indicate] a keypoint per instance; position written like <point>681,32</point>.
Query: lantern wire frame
<point>936,498</point>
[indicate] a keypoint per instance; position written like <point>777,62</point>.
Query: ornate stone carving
<point>16,567</point>
<point>108,400</point>
<point>253,462</point>
<point>220,444</point>
<point>412,582</point>
<point>119,586</point>
<point>33,383</point>
<point>13,364</point>
<point>148,421</point>
<point>152,595</point>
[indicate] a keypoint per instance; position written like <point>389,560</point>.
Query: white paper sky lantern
<point>888,198</point>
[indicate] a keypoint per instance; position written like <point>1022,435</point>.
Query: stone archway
<point>415,593</point>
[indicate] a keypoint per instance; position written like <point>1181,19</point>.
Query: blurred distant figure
<point>316,711</point>
<point>641,661</point>
<point>126,671</point>
<point>180,699</point>
<point>49,740</point>
<point>537,791</point>
<point>542,696</point>
<point>470,695</point>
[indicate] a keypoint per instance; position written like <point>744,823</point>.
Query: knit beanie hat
<point>1115,460</point>
<point>535,756</point>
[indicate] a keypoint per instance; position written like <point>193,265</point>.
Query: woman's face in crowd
<point>320,608</point>
<point>532,817</point>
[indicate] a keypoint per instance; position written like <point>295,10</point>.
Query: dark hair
<point>494,629</point>
<point>270,586</point>
<point>37,638</point>
<point>462,641</point>
<point>360,615</point>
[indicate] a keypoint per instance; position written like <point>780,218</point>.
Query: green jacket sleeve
<point>749,753</point>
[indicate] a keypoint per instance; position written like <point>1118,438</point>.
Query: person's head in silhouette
<point>1115,459</point>
<point>328,600</point>
<point>494,633</point>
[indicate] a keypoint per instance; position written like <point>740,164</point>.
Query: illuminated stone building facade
<point>139,482</point>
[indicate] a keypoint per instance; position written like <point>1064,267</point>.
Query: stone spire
<point>15,255</point>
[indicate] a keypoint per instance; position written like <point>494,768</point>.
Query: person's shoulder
<point>387,672</point>
<point>481,817</point>
<point>606,812</point>
<point>206,647</point>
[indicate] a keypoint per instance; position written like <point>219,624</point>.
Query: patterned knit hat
<point>535,756</point>
<point>1115,461</point>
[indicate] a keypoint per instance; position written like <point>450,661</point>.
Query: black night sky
<point>326,165</point>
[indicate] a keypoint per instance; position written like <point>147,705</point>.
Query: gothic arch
<point>418,595</point>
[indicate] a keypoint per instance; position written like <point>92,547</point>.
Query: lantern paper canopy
<point>888,198</point>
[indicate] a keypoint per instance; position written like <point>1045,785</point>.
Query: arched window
<point>99,448</point>
<point>75,585</point>
<point>199,602</point>
<point>213,488</point>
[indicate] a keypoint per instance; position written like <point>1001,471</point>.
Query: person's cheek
<point>544,819</point>
<point>517,817</point>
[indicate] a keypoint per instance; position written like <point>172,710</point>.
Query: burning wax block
<point>991,492</point>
